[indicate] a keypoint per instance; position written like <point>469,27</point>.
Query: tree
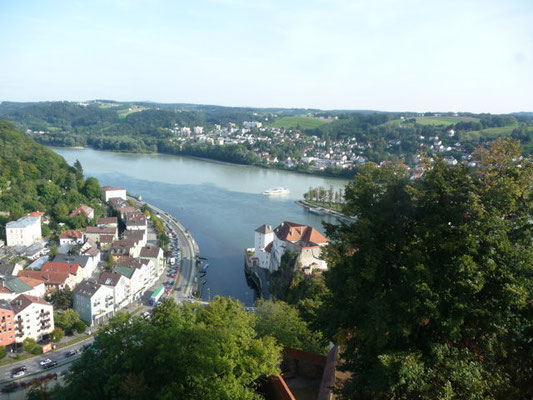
<point>80,326</point>
<point>282,321</point>
<point>184,352</point>
<point>67,320</point>
<point>61,299</point>
<point>429,288</point>
<point>3,352</point>
<point>78,167</point>
<point>91,189</point>
<point>30,345</point>
<point>57,334</point>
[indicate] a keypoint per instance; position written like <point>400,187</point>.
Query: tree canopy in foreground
<point>183,352</point>
<point>430,290</point>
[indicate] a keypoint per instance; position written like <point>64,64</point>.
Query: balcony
<point>44,314</point>
<point>20,334</point>
<point>45,326</point>
<point>44,320</point>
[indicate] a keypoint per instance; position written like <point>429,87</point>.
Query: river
<point>221,204</point>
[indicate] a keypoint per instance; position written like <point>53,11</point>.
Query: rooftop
<point>86,289</point>
<point>23,222</point>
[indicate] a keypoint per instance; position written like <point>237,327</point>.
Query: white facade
<point>93,302</point>
<point>113,193</point>
<point>35,320</point>
<point>24,231</point>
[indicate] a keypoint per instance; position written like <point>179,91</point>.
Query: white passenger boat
<point>276,191</point>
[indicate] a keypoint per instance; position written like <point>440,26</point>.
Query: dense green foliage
<point>181,353</point>
<point>430,290</point>
<point>69,321</point>
<point>283,322</point>
<point>57,334</point>
<point>61,299</point>
<point>33,177</point>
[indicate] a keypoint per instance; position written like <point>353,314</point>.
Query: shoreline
<point>340,216</point>
<point>207,160</point>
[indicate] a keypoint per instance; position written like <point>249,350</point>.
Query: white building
<point>71,237</point>
<point>270,245</point>
<point>93,302</point>
<point>118,283</point>
<point>24,231</point>
<point>34,317</point>
<point>113,193</point>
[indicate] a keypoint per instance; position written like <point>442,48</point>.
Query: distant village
<point>105,269</point>
<point>318,154</point>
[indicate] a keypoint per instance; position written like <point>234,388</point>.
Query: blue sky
<point>381,54</point>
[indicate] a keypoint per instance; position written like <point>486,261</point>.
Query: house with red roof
<point>73,269</point>
<point>271,244</point>
<point>83,210</point>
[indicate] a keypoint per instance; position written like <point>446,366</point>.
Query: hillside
<point>33,177</point>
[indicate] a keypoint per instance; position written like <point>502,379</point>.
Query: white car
<point>17,374</point>
<point>44,362</point>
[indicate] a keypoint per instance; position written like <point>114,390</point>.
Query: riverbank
<point>323,174</point>
<point>340,216</point>
<point>187,283</point>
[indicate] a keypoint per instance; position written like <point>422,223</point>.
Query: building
<point>7,324</point>
<point>83,210</point>
<point>138,275</point>
<point>9,269</point>
<point>65,267</point>
<point>270,245</point>
<point>52,280</point>
<point>118,283</point>
<point>23,232</point>
<point>107,222</point>
<point>93,302</point>
<point>154,254</point>
<point>87,262</point>
<point>33,318</point>
<point>12,286</point>
<point>113,193</point>
<point>136,221</point>
<point>96,232</point>
<point>71,237</point>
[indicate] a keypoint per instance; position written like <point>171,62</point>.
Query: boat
<point>279,191</point>
<point>316,211</point>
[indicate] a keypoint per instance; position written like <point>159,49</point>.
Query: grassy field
<point>436,120</point>
<point>491,133</point>
<point>302,122</point>
<point>124,112</point>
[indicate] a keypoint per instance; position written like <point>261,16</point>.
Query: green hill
<point>298,122</point>
<point>33,177</point>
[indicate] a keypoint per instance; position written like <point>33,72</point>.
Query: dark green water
<point>220,204</point>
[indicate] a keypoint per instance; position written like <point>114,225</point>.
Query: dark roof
<point>86,289</point>
<point>129,262</point>
<point>102,230</point>
<point>150,252</point>
<point>109,278</point>
<point>7,269</point>
<point>82,260</point>
<point>264,229</point>
<point>107,220</point>
<point>19,303</point>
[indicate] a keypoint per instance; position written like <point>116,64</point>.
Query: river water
<point>221,204</point>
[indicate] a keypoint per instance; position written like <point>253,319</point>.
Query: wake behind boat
<point>279,191</point>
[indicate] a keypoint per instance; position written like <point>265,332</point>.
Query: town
<point>117,264</point>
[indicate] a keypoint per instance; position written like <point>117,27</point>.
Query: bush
<point>80,326</point>
<point>37,350</point>
<point>3,352</point>
<point>57,334</point>
<point>29,344</point>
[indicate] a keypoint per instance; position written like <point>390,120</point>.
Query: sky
<point>389,55</point>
